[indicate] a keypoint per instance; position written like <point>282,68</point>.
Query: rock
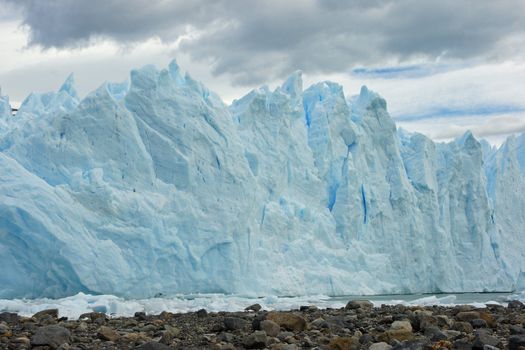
<point>93,316</point>
<point>53,335</point>
<point>9,317</point>
<point>483,337</point>
<point>488,347</point>
<point>256,322</point>
<point>234,323</point>
<point>392,334</point>
<point>166,315</point>
<point>140,315</point>
<point>463,327</point>
<point>308,308</point>
<point>426,321</point>
<point>284,347</point>
<point>108,334</point>
<point>134,337</point>
<point>451,334</point>
<point>515,304</point>
<point>462,344</point>
<point>514,329</point>
<point>320,323</point>
<point>271,328</point>
<point>82,327</point>
<point>225,337</point>
<point>256,340</point>
<point>401,325</point>
<point>5,330</point>
<point>21,342</point>
<point>380,346</point>
<point>444,321</point>
<point>254,307</point>
<point>153,345</point>
<point>478,323</point>
<point>435,334</point>
<point>359,304</point>
<point>148,328</point>
<point>409,345</point>
<point>464,308</point>
<point>341,343</point>
<point>467,316</point>
<point>399,330</point>
<point>46,313</point>
<point>166,338</point>
<point>174,331</point>
<point>487,317</point>
<point>283,335</point>
<point>516,342</point>
<point>288,320</point>
<point>202,313</point>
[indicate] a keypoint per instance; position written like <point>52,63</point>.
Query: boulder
<point>359,304</point>
<point>53,336</point>
<point>288,320</point>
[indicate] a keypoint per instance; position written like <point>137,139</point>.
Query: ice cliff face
<point>157,186</point>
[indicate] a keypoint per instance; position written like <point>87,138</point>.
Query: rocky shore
<point>359,325</point>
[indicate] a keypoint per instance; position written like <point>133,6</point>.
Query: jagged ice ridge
<point>156,186</point>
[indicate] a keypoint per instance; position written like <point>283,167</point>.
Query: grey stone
<point>515,329</point>
<point>359,304</point>
<point>153,345</point>
<point>254,307</point>
<point>46,313</point>
<point>516,341</point>
<point>271,328</point>
<point>380,346</point>
<point>202,313</point>
<point>467,316</point>
<point>320,323</point>
<point>53,335</point>
<point>234,323</point>
<point>483,337</point>
<point>9,317</point>
<point>515,304</point>
<point>462,344</point>
<point>225,337</point>
<point>435,334</point>
<point>478,323</point>
<point>108,334</point>
<point>451,334</point>
<point>409,345</point>
<point>256,340</point>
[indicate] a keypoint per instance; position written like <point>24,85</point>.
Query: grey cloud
<point>257,41</point>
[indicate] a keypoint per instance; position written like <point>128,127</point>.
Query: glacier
<point>157,187</point>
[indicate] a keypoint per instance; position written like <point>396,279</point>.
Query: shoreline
<point>358,325</point>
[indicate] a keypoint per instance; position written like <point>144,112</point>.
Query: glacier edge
<point>157,187</point>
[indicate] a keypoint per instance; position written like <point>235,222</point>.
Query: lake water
<point>74,306</point>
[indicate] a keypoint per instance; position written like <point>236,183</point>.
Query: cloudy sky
<point>444,66</point>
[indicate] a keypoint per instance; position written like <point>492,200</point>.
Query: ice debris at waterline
<point>157,186</point>
<point>81,303</point>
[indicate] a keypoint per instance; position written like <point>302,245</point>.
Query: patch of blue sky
<point>446,112</point>
<point>406,71</point>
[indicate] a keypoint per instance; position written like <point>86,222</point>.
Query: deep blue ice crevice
<point>365,208</point>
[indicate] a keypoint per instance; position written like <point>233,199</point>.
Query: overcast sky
<point>444,66</point>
